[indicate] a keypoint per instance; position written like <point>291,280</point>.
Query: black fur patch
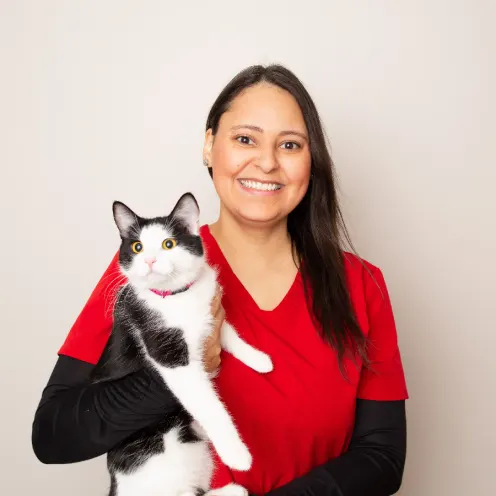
<point>188,435</point>
<point>164,344</point>
<point>138,448</point>
<point>135,450</point>
<point>119,358</point>
<point>113,486</point>
<point>168,348</point>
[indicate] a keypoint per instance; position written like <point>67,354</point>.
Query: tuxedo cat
<point>161,319</point>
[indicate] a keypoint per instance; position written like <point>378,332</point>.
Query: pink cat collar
<point>162,293</point>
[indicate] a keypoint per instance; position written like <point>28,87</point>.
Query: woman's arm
<point>77,420</point>
<point>372,465</point>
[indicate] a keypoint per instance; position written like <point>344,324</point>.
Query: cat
<point>162,317</point>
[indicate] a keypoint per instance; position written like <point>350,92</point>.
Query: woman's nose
<point>267,162</point>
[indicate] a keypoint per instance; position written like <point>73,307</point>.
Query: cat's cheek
<point>164,268</point>
<point>185,262</point>
<point>139,270</point>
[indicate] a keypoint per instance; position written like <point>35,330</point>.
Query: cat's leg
<point>232,343</point>
<point>168,353</point>
<point>229,490</point>
<point>192,386</point>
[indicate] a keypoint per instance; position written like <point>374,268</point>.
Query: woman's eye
<point>290,145</point>
<point>168,244</point>
<point>245,140</point>
<point>137,247</point>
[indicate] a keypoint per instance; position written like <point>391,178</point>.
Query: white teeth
<point>260,186</point>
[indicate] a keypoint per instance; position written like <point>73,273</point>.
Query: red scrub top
<point>301,414</point>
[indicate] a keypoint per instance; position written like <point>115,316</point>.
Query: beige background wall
<point>98,97</point>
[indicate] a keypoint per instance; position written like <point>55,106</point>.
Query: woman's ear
<point>207,148</point>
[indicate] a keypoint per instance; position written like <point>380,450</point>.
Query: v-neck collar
<point>216,254</point>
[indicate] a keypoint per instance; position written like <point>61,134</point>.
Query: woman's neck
<point>261,244</point>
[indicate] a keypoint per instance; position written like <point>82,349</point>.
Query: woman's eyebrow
<point>260,130</point>
<point>247,126</point>
<point>297,133</point>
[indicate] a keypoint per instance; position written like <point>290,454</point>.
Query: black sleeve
<point>77,420</point>
<point>372,465</point>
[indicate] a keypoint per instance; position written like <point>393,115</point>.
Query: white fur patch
<point>229,490</point>
<point>176,471</point>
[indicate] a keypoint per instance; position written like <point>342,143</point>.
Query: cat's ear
<point>125,218</point>
<point>188,213</point>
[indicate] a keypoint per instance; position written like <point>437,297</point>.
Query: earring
<point>205,162</point>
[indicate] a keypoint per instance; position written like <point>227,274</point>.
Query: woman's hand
<point>211,355</point>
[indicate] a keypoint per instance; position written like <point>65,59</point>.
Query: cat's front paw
<point>260,362</point>
<point>235,454</point>
<point>229,490</point>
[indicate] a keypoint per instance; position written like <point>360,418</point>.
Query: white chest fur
<point>188,311</point>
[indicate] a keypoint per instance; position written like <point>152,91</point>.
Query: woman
<point>330,418</point>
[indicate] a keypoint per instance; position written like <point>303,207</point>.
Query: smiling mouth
<point>260,186</point>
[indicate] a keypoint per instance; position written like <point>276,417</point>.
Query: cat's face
<point>164,252</point>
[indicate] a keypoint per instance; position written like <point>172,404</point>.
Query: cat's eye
<point>169,243</point>
<point>137,247</point>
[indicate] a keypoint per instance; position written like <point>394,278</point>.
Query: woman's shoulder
<point>213,253</point>
<point>366,282</point>
<point>359,269</point>
<point>204,232</point>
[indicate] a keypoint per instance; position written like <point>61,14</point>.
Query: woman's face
<point>260,156</point>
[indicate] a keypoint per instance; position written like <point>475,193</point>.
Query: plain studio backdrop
<point>105,100</point>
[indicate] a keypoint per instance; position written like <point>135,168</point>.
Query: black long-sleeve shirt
<point>77,420</point>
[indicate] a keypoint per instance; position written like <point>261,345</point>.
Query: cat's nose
<point>150,261</point>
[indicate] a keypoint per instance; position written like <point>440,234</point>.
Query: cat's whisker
<point>110,296</point>
<point>115,277</point>
<point>111,291</point>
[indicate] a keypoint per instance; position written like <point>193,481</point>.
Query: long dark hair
<point>316,225</point>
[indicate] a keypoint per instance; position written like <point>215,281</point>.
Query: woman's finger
<point>216,300</point>
<point>212,348</point>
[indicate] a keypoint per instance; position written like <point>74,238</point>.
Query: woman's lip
<point>259,192</point>
<point>259,181</point>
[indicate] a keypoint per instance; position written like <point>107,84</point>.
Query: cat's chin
<point>153,281</point>
<point>158,281</point>
<point>174,280</point>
